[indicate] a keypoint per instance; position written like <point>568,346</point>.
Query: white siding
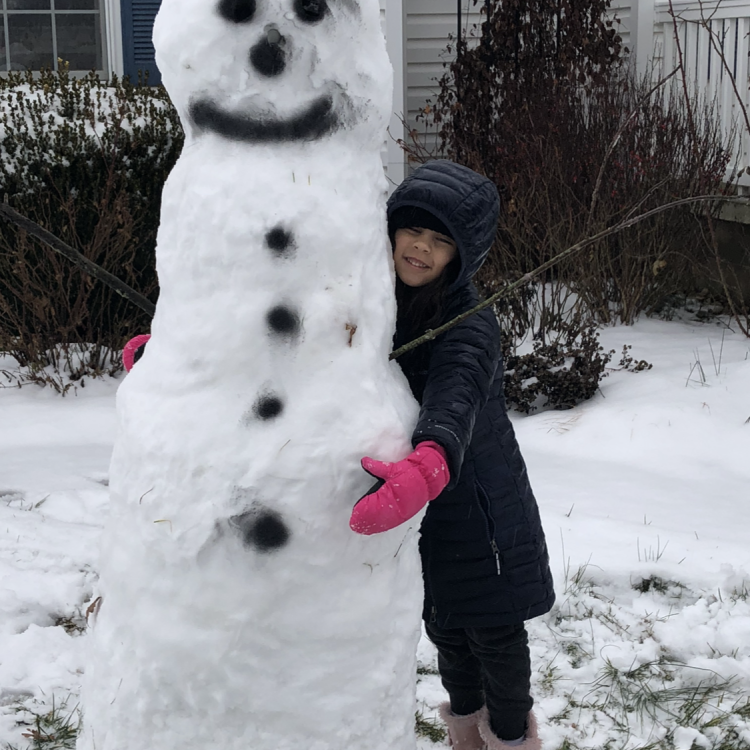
<point>392,20</point>
<point>429,23</point>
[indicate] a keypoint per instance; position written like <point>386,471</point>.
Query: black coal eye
<point>310,11</point>
<point>237,11</point>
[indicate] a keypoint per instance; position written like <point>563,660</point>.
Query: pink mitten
<point>131,348</point>
<point>409,485</point>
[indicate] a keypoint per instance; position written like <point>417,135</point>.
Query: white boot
<point>463,731</point>
<point>531,742</point>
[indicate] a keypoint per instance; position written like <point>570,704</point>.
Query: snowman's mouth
<point>315,121</point>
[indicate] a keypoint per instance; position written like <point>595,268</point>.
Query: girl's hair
<point>420,308</point>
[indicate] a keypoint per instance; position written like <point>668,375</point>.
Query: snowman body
<point>238,609</point>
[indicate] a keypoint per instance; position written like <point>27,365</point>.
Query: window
<point>36,33</point>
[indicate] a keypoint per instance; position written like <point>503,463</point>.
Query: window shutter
<point>138,49</point>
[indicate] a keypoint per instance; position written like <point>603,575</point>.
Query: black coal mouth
<point>315,121</point>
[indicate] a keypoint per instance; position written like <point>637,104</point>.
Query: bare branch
<point>616,140</point>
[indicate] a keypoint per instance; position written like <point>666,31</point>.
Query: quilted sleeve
<point>462,368</point>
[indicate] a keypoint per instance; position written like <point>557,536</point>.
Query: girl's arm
<point>462,368</point>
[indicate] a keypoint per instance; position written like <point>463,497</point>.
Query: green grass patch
<point>430,728</point>
<point>53,729</point>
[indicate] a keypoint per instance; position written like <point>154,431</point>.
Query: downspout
<point>486,36</point>
<point>458,91</point>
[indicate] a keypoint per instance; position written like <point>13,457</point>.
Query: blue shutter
<point>138,50</point>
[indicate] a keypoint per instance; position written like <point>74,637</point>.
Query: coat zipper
<point>497,556</point>
<point>490,526</point>
<point>428,585</point>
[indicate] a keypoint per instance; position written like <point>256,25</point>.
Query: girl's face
<point>421,255</point>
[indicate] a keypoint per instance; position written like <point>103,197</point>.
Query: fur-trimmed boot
<point>463,731</point>
<point>532,741</point>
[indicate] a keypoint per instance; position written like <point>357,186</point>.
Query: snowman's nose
<point>268,56</point>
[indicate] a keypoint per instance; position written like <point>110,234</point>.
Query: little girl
<point>484,557</point>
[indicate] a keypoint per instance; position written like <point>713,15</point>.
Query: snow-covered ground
<point>645,496</point>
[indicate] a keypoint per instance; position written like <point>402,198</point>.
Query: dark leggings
<point>489,666</point>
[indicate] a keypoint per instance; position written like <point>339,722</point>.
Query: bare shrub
<point>570,161</point>
<point>544,105</point>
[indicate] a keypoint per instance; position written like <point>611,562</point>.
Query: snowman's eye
<point>237,11</point>
<point>310,11</point>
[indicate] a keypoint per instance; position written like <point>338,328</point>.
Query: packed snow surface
<point>237,608</point>
<point>644,496</point>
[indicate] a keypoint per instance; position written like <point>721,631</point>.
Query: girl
<point>484,557</point>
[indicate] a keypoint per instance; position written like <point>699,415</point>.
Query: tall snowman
<point>238,610</point>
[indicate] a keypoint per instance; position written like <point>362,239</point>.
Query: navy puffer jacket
<point>484,556</point>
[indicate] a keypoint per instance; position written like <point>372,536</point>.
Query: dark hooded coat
<point>484,556</point>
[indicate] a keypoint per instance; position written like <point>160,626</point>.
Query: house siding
<point>392,20</point>
<point>429,24</point>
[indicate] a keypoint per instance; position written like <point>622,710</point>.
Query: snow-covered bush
<point>85,158</point>
<point>558,373</point>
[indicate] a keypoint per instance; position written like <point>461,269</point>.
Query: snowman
<point>238,610</point>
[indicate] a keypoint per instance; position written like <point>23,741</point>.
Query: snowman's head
<point>275,71</point>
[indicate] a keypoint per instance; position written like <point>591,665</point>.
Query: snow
<point>692,433</point>
<point>240,431</point>
<point>645,485</point>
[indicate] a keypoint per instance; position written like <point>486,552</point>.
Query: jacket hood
<point>467,203</point>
